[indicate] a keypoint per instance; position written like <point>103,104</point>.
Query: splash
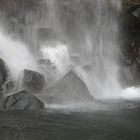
<point>131,93</point>
<point>16,56</point>
<point>58,54</point>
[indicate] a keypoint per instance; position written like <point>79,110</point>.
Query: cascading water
<point>16,56</point>
<point>92,29</point>
<point>94,39</point>
<point>102,39</point>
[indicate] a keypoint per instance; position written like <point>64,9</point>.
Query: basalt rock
<point>69,89</point>
<point>22,101</point>
<point>33,81</point>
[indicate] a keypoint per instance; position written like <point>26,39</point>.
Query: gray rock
<point>47,64</point>
<point>33,81</point>
<point>22,101</point>
<point>69,89</point>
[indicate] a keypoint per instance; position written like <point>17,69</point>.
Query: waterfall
<point>91,30</point>
<point>102,39</point>
<point>82,34</point>
<point>91,27</point>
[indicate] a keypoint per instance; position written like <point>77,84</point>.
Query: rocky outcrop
<point>68,89</point>
<point>33,81</point>
<point>22,101</point>
<point>130,46</point>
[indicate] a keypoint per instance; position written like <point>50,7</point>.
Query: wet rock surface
<point>22,101</point>
<point>70,88</point>
<point>33,81</point>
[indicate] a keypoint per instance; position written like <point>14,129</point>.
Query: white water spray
<point>16,56</point>
<point>58,53</point>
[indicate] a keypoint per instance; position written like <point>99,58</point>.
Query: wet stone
<point>33,81</point>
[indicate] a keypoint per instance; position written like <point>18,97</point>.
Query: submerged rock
<point>69,89</point>
<point>33,81</point>
<point>22,101</point>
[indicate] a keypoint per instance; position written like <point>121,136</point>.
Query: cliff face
<point>130,42</point>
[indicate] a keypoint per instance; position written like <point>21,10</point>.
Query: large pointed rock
<point>22,101</point>
<point>69,89</point>
<point>33,81</point>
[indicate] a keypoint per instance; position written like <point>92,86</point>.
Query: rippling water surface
<point>119,121</point>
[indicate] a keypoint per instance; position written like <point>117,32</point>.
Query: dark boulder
<point>33,81</point>
<point>3,72</point>
<point>69,89</point>
<point>22,101</point>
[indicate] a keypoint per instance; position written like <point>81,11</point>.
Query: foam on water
<point>131,93</point>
